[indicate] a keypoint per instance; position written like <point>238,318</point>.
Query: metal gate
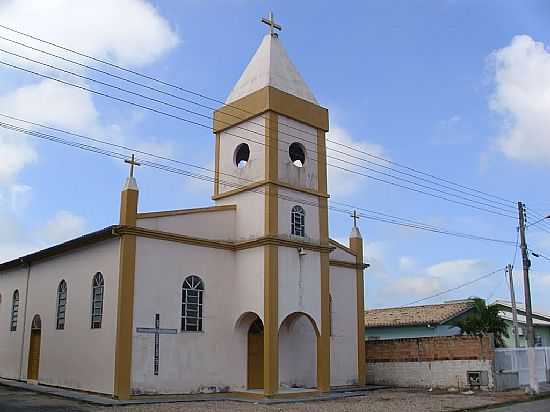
<point>515,360</point>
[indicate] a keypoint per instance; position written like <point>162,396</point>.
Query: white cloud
<point>63,226</point>
<point>407,263</point>
<point>341,182</point>
<point>415,283</point>
<point>522,97</point>
<point>129,32</point>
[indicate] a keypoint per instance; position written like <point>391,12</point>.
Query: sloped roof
<point>415,315</point>
<point>271,66</point>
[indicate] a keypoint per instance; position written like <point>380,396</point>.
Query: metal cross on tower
<point>355,217</point>
<point>272,25</point>
<point>157,331</point>
<point>132,162</point>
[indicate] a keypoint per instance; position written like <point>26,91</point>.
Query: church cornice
<point>179,212</point>
<point>264,182</point>
<point>221,244</point>
<point>270,99</point>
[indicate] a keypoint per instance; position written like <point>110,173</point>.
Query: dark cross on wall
<point>157,331</point>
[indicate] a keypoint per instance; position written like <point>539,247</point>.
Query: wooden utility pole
<point>528,310</point>
<point>509,269</point>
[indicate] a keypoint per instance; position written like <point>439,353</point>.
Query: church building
<point>248,295</point>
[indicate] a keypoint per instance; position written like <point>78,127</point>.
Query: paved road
<point>17,400</point>
<point>536,406</point>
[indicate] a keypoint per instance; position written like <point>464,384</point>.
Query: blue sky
<point>459,89</point>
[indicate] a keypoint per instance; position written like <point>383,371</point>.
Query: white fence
<point>515,360</point>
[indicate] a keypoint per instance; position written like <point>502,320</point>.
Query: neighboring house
<point>416,321</point>
<point>541,324</point>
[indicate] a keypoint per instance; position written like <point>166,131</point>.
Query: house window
<point>298,221</point>
<point>61,304</point>
<point>538,340</point>
<point>191,304</point>
<point>14,311</point>
<point>98,286</point>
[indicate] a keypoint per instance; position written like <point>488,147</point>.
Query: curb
<point>504,404</point>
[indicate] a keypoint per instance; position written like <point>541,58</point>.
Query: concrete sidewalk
<point>105,400</point>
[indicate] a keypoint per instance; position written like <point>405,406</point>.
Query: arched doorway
<point>34,348</point>
<point>298,339</point>
<point>255,358</point>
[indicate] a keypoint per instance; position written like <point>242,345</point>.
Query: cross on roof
<point>132,162</point>
<point>355,216</point>
<point>272,25</point>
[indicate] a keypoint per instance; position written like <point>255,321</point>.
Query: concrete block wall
<point>436,374</point>
<point>432,362</point>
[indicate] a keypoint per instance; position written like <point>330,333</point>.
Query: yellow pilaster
<point>271,263</point>
<point>123,345</point>
<point>323,344</point>
<point>356,244</point>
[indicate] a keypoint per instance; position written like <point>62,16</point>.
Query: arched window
<point>191,304</point>
<point>242,155</point>
<point>61,304</point>
<point>14,311</point>
<point>297,154</point>
<point>298,221</point>
<point>98,286</point>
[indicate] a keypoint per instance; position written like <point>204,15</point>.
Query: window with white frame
<point>192,304</point>
<point>98,289</point>
<point>14,311</point>
<point>61,305</point>
<point>298,221</point>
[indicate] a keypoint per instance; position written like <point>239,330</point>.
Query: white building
<point>251,294</point>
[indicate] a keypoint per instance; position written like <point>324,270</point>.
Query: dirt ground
<point>388,400</point>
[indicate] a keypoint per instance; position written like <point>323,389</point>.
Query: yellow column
<point>271,261</point>
<point>356,244</point>
<point>323,345</point>
<point>123,346</point>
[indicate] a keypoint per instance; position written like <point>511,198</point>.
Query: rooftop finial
<point>355,216</point>
<point>132,162</point>
<point>272,25</point>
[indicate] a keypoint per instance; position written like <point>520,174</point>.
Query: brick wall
<point>430,349</point>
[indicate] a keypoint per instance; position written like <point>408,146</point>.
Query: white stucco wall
<point>299,284</point>
<point>342,255</point>
<point>249,216</point>
<point>212,360</point>
<point>298,353</point>
<point>252,133</point>
<point>291,131</point>
<point>290,198</point>
<point>77,356</point>
<point>343,359</point>
<point>218,225</point>
<point>10,342</point>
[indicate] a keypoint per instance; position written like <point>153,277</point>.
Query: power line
<point>444,292</point>
<point>177,87</point>
<point>405,222</point>
<point>245,138</point>
<point>240,118</point>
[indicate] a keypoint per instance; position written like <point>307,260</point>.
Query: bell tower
<point>270,161</point>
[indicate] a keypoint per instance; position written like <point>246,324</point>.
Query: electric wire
<point>245,138</point>
<point>201,95</point>
<point>446,291</point>
<point>232,115</point>
<point>394,220</point>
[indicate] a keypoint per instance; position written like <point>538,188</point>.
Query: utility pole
<point>533,384</point>
<point>509,269</point>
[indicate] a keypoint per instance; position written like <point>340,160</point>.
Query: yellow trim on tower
<point>356,244</point>
<point>270,99</point>
<point>125,304</point>
<point>260,183</point>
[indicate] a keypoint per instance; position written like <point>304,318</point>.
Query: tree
<point>484,320</point>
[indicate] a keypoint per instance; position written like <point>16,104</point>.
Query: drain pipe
<point>24,319</point>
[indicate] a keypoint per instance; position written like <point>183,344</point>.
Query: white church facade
<point>250,294</point>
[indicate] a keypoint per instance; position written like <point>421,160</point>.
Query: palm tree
<point>483,321</point>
